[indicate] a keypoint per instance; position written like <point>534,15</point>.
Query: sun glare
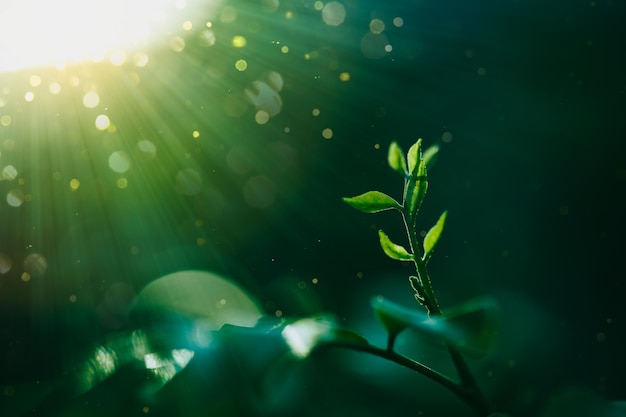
<point>42,33</point>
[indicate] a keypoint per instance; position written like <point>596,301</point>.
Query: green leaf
<point>430,155</point>
<point>414,155</point>
<point>433,235</point>
<point>416,189</point>
<point>396,160</point>
<point>392,250</point>
<point>372,202</point>
<point>396,318</point>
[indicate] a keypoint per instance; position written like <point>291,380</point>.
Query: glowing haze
<point>40,33</point>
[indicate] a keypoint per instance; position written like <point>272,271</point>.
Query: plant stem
<point>474,396</point>
<point>400,360</point>
<point>467,393</point>
<point>468,388</point>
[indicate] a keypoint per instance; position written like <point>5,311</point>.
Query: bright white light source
<point>303,335</point>
<point>42,33</point>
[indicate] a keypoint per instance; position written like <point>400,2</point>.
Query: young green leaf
<point>414,155</point>
<point>433,235</point>
<point>392,250</point>
<point>416,189</point>
<point>372,202</point>
<point>396,160</point>
<point>430,155</point>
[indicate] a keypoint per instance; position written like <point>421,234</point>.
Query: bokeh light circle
<point>188,182</point>
<point>35,265</point>
<point>334,13</point>
<point>119,162</point>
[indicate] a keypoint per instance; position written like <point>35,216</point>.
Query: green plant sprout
<point>468,328</point>
<point>465,330</point>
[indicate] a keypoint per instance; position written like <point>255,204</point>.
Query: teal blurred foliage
<point>526,101</point>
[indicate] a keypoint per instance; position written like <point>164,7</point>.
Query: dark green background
<point>533,179</point>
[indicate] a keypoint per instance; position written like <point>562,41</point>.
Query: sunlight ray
<point>42,33</point>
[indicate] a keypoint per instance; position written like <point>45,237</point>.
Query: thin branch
<point>402,360</point>
<point>468,394</point>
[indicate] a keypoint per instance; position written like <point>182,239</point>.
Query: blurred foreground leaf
<point>477,323</point>
<point>397,318</point>
<point>470,326</point>
<point>304,335</point>
<point>578,401</point>
<point>201,295</point>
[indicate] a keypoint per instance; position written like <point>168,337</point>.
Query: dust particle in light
<point>122,183</point>
<point>15,198</point>
<point>5,263</point>
<point>91,99</point>
<point>177,44</point>
<point>35,265</point>
<point>377,26</point>
<point>9,172</point>
<point>241,65</point>
<point>333,14</point>
<point>55,88</point>
<point>239,41</point>
<point>147,148</point>
<point>35,80</point>
<point>74,184</point>
<point>262,117</point>
<point>103,122</point>
<point>119,161</point>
